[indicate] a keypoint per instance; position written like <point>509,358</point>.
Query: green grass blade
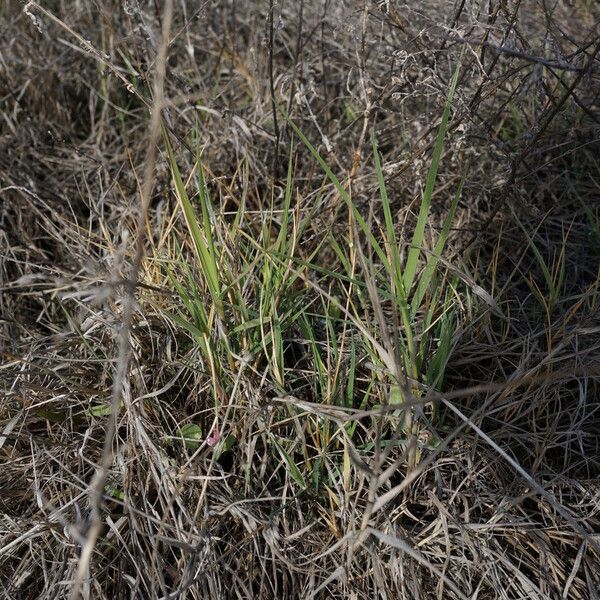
<point>282,238</point>
<point>344,195</point>
<point>410,269</point>
<point>434,258</point>
<point>292,467</point>
<point>538,255</point>
<point>395,266</point>
<point>389,222</point>
<point>204,249</point>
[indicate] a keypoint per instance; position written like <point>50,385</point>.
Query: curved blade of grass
<point>344,195</point>
<point>395,272</point>
<point>387,213</point>
<point>205,206</point>
<point>293,468</point>
<point>282,238</point>
<point>410,269</point>
<point>434,258</point>
<point>202,239</point>
<point>538,255</point>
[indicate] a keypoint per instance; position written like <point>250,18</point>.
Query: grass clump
<point>292,309</point>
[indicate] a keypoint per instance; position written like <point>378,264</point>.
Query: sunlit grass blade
<point>387,213</point>
<point>283,238</point>
<point>396,279</point>
<point>202,240</point>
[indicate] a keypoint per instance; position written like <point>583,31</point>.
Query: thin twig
<point>272,89</point>
<point>120,377</point>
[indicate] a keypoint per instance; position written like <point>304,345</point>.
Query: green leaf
<point>115,492</point>
<point>293,468</point>
<point>103,410</point>
<point>190,434</point>
<point>225,445</point>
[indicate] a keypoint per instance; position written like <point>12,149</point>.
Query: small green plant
<point>190,435</point>
<point>388,282</point>
<point>250,291</point>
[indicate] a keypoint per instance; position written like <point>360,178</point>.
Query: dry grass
<point>269,431</point>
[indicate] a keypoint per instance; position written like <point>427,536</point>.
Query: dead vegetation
<point>256,423</point>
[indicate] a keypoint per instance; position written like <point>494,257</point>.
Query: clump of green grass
<point>249,292</point>
<point>419,301</point>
